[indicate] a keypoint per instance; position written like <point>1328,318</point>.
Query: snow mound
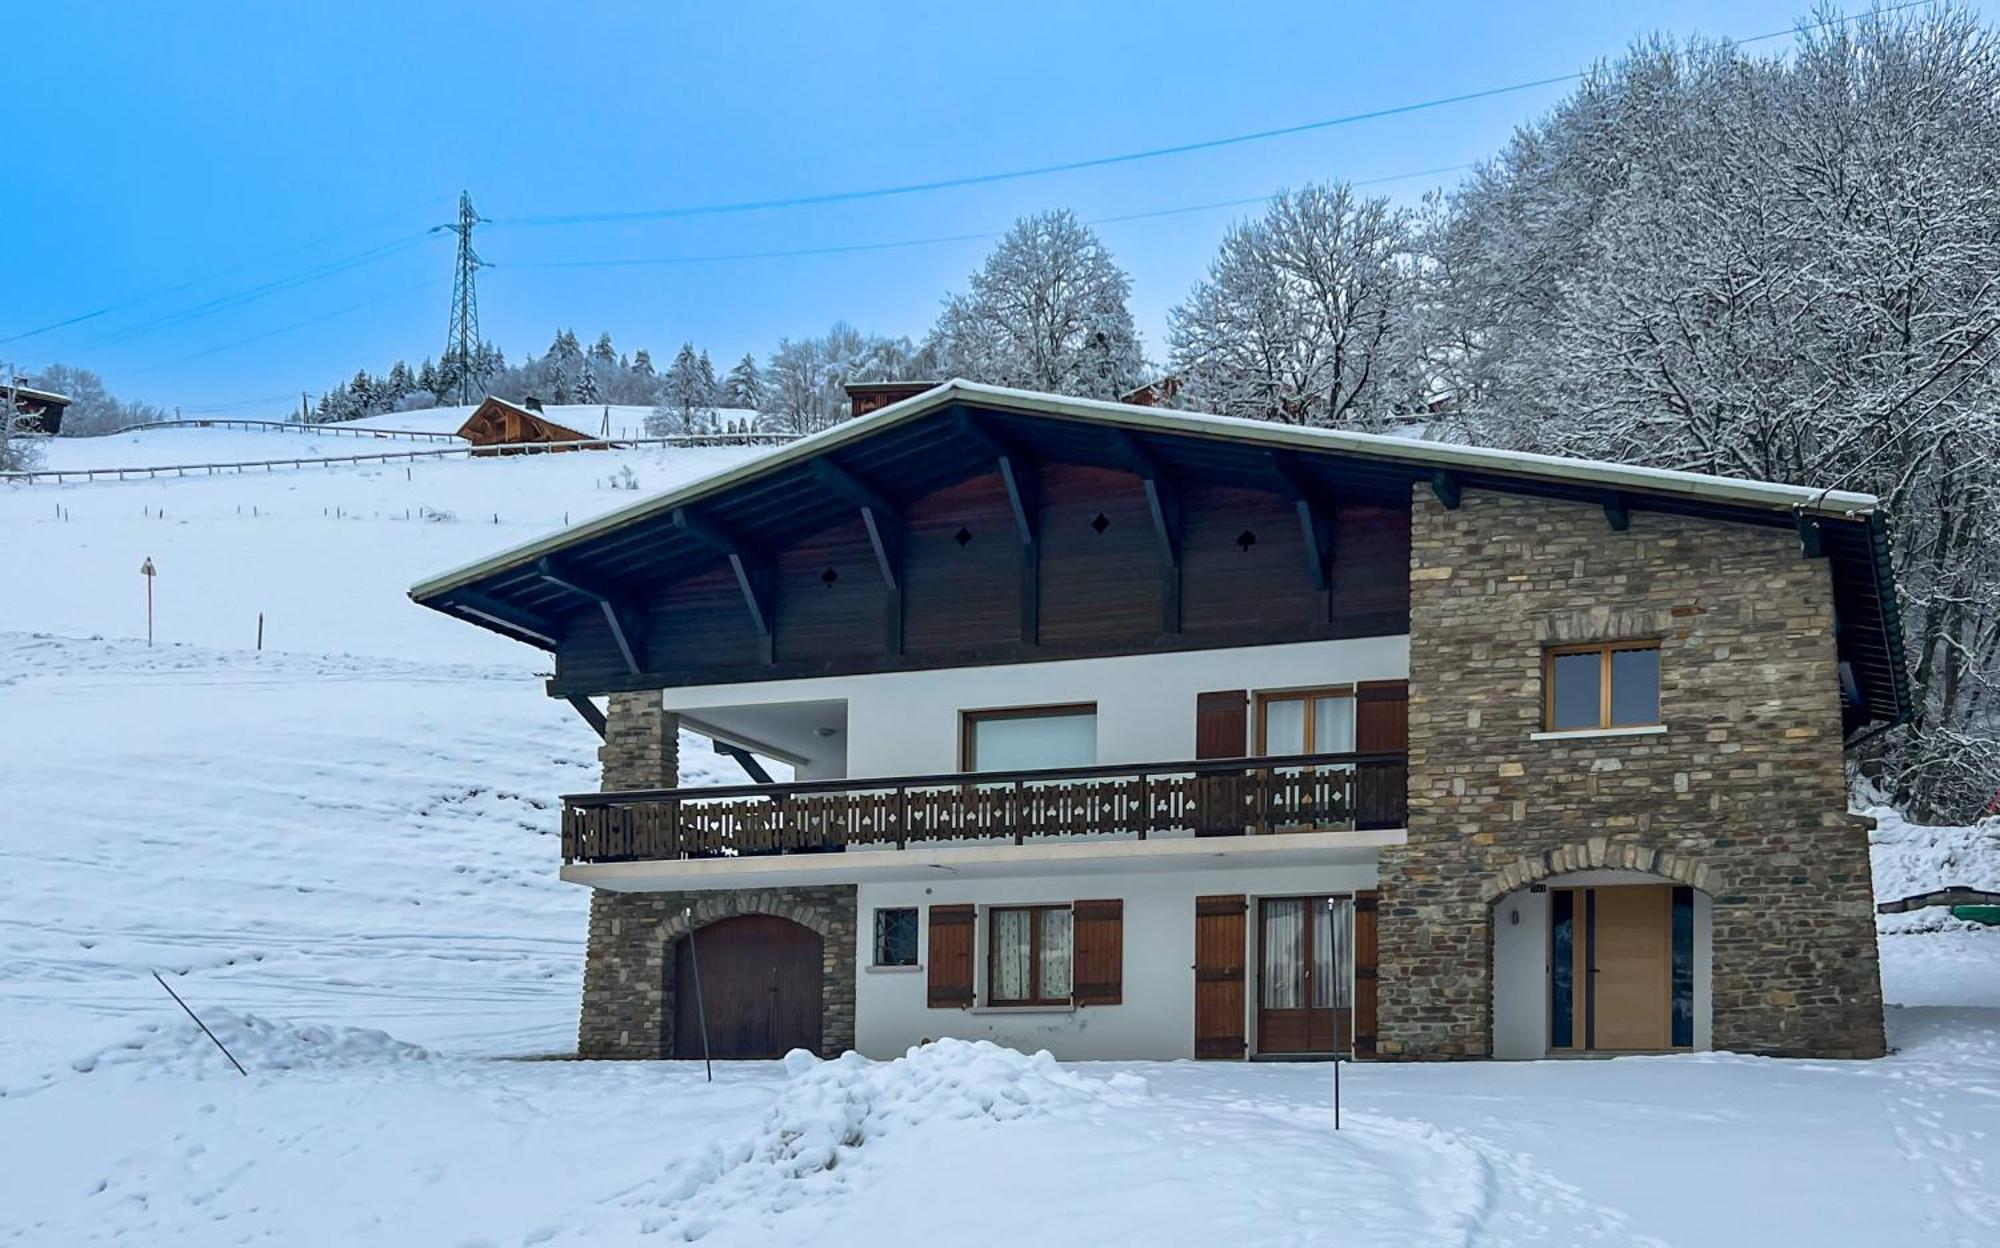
<point>261,1044</point>
<point>1911,858</point>
<point>828,1111</point>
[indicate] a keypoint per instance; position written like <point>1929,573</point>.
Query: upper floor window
<point>1025,737</point>
<point>1305,721</point>
<point>1605,685</point>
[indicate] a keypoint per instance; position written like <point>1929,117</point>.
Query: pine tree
<point>427,378</point>
<point>602,353</point>
<point>744,385</point>
<point>586,383</point>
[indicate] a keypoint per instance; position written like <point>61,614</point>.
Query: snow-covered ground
<point>341,851</point>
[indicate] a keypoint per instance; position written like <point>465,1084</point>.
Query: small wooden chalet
<point>41,411</point>
<point>509,428</point>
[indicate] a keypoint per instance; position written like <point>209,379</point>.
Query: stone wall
<point>1742,796</point>
<point>628,970</point>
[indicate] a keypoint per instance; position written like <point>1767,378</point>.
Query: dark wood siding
<point>1097,589</point>
<point>962,596</point>
<point>1099,941</point>
<point>818,620</point>
<point>1097,586</point>
<point>1218,976</point>
<point>1261,587</point>
<point>1382,716</point>
<point>950,957</point>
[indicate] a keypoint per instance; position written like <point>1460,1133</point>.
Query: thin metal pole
<point>204,1026</point>
<point>700,1008</point>
<point>1336,1092</point>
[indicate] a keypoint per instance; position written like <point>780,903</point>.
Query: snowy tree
<point>1047,311</point>
<point>744,385</point>
<point>19,450</point>
<point>1306,316</point>
<point>586,382</point>
<point>689,393</point>
<point>1778,267</point>
<point>602,353</point>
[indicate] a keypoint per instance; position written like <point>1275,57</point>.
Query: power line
<point>934,240</point>
<point>1121,158</point>
<point>209,276</point>
<point>285,329</point>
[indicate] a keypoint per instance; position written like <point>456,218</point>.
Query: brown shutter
<point>1382,716</point>
<point>1218,976</point>
<point>1365,979</point>
<point>1222,724</point>
<point>1099,941</point>
<point>950,957</point>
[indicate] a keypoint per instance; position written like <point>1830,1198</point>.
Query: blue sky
<point>168,161</point>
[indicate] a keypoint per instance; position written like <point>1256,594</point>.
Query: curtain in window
<point>1020,743</point>
<point>1332,952</point>
<point>1284,970</point>
<point>1285,726</point>
<point>1333,725</point>
<point>1011,953</point>
<point>1055,954</point>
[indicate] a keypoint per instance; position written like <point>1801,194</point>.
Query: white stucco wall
<point>907,723</point>
<point>1155,1019</point>
<point>1521,964</point>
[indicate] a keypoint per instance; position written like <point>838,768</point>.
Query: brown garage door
<point>760,988</point>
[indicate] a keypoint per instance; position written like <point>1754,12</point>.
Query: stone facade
<point>628,971</point>
<point>1742,796</point>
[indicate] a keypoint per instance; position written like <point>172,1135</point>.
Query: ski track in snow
<point>343,848</point>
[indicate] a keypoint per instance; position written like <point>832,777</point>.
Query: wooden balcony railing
<point>1220,797</point>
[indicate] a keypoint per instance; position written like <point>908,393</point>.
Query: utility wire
<point>198,280</point>
<point>1121,158</point>
<point>286,329</point>
<point>934,240</point>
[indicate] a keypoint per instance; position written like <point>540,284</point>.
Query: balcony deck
<point>1289,795</point>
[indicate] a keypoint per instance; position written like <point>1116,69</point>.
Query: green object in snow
<point>1989,915</point>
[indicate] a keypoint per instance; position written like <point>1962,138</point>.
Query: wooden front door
<point>1632,977</point>
<point>760,988</point>
<point>1302,999</point>
<point>1218,976</point>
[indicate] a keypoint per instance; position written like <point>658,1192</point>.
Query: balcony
<point>1237,797</point>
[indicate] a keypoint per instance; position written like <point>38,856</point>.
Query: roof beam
<point>744,759</point>
<point>1617,512</point>
<point>626,622</point>
<point>1018,477</point>
<point>1812,542</point>
<point>1449,489</point>
<point>524,625</point>
<point>1163,505</point>
<point>591,715</point>
<point>1315,520</point>
<point>882,518</point>
<point>753,575</point>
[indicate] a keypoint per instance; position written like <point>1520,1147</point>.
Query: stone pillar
<point>1743,795</point>
<point>624,981</point>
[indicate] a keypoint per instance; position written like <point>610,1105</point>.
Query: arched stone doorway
<point>759,989</point>
<point>1610,960</point>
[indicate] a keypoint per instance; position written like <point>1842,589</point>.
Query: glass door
<point>1305,974</point>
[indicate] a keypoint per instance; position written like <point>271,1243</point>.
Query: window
<point>1028,955</point>
<point>896,937</point>
<point>1022,738</point>
<point>1307,721</point>
<point>1601,686</point>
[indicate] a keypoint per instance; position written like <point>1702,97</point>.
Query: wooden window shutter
<point>950,957</point>
<point>1365,978</point>
<point>1219,1002</point>
<point>1382,716</point>
<point>1099,941</point>
<point>1222,724</point>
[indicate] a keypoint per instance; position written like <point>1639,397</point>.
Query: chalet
<point>1135,733</point>
<point>36,411</point>
<point>506,427</point>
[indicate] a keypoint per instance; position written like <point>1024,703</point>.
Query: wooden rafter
<point>883,521</point>
<point>626,622</point>
<point>507,618</point>
<point>753,574</point>
<point>1018,476</point>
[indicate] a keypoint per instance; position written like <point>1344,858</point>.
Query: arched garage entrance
<point>760,979</point>
<point>1610,961</point>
